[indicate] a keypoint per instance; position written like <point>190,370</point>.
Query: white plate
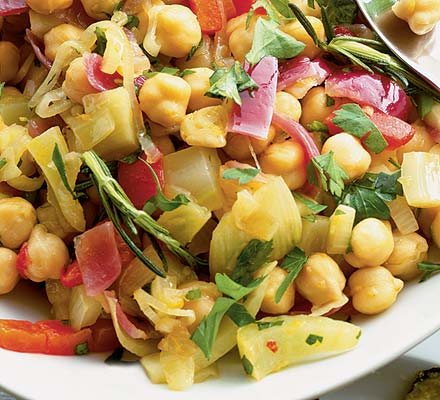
<point>385,337</point>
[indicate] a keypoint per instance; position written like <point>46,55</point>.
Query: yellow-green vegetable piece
<point>296,339</point>
<point>41,149</point>
<point>14,107</point>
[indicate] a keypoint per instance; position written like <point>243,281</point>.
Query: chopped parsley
<point>193,294</point>
<point>101,41</point>
<point>262,325</point>
<point>428,269</point>
<point>244,175</point>
<point>312,339</point>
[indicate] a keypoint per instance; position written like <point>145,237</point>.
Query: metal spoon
<point>421,53</point>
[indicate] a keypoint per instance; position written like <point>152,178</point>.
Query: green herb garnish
<point>81,349</point>
<point>312,339</point>
<point>266,325</point>
<point>101,41</point>
<point>244,175</point>
<point>233,289</point>
<point>193,294</point>
<point>57,159</point>
<point>428,269</point>
<point>247,365</point>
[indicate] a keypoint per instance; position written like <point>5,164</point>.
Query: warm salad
<point>183,177</point>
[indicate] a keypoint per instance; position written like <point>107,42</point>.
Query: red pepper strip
<point>72,276</point>
<point>103,337</point>
<point>229,8</point>
<point>395,131</point>
<point>46,337</point>
<point>22,260</point>
<point>12,7</point>
<point>243,6</point>
<point>209,15</point>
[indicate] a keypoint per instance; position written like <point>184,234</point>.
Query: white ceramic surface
<point>414,317</point>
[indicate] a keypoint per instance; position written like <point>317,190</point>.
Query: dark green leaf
<point>266,324</point>
<point>194,294</point>
<point>428,269</point>
<point>239,315</point>
<point>3,162</point>
<point>317,126</point>
<point>118,7</point>
<point>101,41</point>
<point>424,104</point>
<point>313,206</point>
<point>233,289</point>
<point>194,49</point>
<point>244,175</point>
<point>310,217</point>
<point>282,6</point>
<point>133,22</point>
<point>351,119</point>
<point>186,72</point>
<point>340,12</point>
<point>312,339</point>
<point>160,201</point>
<point>269,40</point>
<point>331,174</point>
<point>247,365</point>
<point>293,263</point>
<point>2,85</point>
<point>170,70</point>
<point>329,101</point>
<point>57,159</point>
<point>205,334</point>
<point>253,256</point>
<point>81,349</point>
<point>227,83</point>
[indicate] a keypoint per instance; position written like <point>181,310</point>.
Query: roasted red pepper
<point>209,15</point>
<point>243,6</point>
<point>72,276</point>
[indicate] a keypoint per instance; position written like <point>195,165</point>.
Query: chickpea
<point>9,61</point>
<point>48,6</point>
<point>348,153</point>
<point>203,57</point>
<point>237,146</point>
<point>99,9</point>
<point>372,243</point>
<point>269,305</point>
<point>314,106</point>
<point>164,98</point>
<point>17,218</point>
<point>177,30</point>
<point>281,158</point>
<point>321,281</point>
<point>303,6</point>
<point>380,163</point>
<point>287,104</point>
<point>421,141</point>
<point>296,178</point>
<point>240,38</point>
<point>425,219</point>
<point>165,144</point>
<point>9,276</point>
<point>199,82</point>
<point>76,84</point>
<point>408,251</point>
<point>47,255</point>
<point>373,289</point>
<point>433,117</point>
<point>435,228</point>
<point>57,36</point>
<point>296,30</point>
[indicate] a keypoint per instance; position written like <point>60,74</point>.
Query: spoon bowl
<point>420,52</point>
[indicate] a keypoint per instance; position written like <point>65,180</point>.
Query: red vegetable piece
<point>12,7</point>
<point>98,258</point>
<point>98,79</point>
<point>208,13</point>
<point>76,15</point>
<point>19,336</point>
<point>229,9</point>
<point>395,131</point>
<point>22,260</point>
<point>38,47</point>
<point>254,116</point>
<point>103,336</point>
<point>138,182</point>
<point>243,6</point>
<point>37,125</point>
<point>374,90</point>
<point>341,30</point>
<point>71,277</point>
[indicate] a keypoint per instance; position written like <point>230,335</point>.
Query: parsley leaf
<point>266,324</point>
<point>271,41</point>
<point>101,41</point>
<point>239,315</point>
<point>268,7</point>
<point>244,175</point>
<point>81,349</point>
<point>252,257</point>
<point>330,173</point>
<point>133,22</point>
<point>368,195</point>
<point>194,50</point>
<point>247,366</point>
<point>293,264</point>
<point>312,339</point>
<point>351,119</point>
<point>3,162</point>
<point>428,269</point>
<point>317,126</point>
<point>227,83</point>
<point>339,12</point>
<point>233,289</point>
<point>314,207</point>
<point>193,294</point>
<point>2,85</point>
<point>282,6</point>
<point>424,104</point>
<point>57,159</point>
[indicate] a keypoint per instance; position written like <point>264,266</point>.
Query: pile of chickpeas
<point>381,258</point>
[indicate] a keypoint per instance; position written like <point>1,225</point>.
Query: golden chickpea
<point>421,141</point>
<point>373,289</point>
<point>240,38</point>
<point>296,30</point>
<point>47,255</point>
<point>165,144</point>
<point>48,6</point>
<point>371,242</point>
<point>269,305</point>
<point>304,7</point>
<point>164,98</point>
<point>321,281</point>
<point>287,104</point>
<point>199,82</point>
<point>408,251</point>
<point>425,218</point>
<point>9,61</point>
<point>314,106</point>
<point>348,153</point>
<point>237,146</point>
<point>76,84</point>
<point>435,229</point>
<point>177,30</point>
<point>281,158</point>
<point>99,9</point>
<point>57,36</point>
<point>380,162</point>
<point>17,218</point>
<point>433,117</point>
<point>296,178</point>
<point>9,276</point>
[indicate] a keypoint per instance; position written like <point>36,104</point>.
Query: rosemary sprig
<point>368,54</point>
<point>119,208</point>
